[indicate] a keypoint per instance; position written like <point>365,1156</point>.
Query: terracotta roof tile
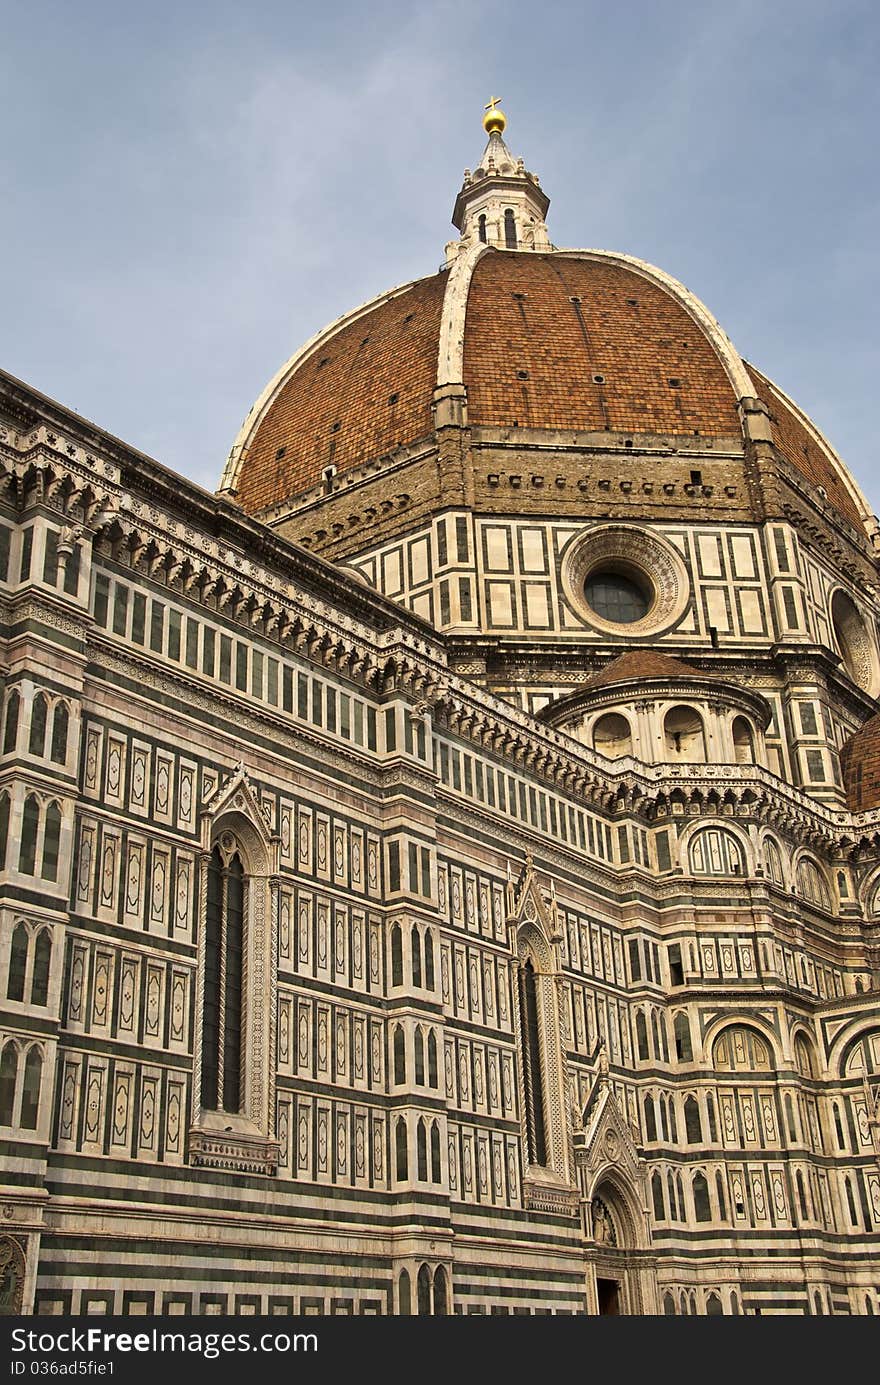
<point>644,664</point>
<point>860,762</point>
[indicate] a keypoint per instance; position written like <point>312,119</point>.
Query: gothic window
<point>429,961</point>
<point>396,956</point>
<point>773,861</point>
<point>655,1033</point>
<point>722,1200</point>
<point>509,229</point>
<point>40,973</point>
<point>739,1049</point>
<point>421,1151</point>
<point>802,1194</point>
<point>416,957</point>
<point>692,1124</point>
<point>30,1091</point>
<point>404,1300</point>
<point>4,827</point>
<point>657,1197</point>
<point>10,729</point>
<point>432,1059</point>
<point>713,1306</point>
<point>789,1117</point>
<point>39,717</point>
<point>683,1050</point>
<point>481,227</point>
<point>676,970</point>
<point>536,1135</point>
<point>642,1036</point>
<point>51,842</point>
<point>8,1078</point>
<point>713,851</point>
<point>670,1189</point>
<point>673,1126</point>
<point>669,1305</point>
<point>424,1290</point>
<point>812,883</point>
<point>60,723</point>
<point>224,1001</point>
<point>838,1126</point>
<point>441,1295</point>
<point>650,1118</point>
<point>30,821</point>
<point>700,1187</point>
<point>400,1149</point>
<point>18,954</point>
<point>804,1057</point>
<point>419,1047</point>
<point>664,1118</point>
<point>399,1055</point>
<point>710,1110</point>
<point>436,1172</point>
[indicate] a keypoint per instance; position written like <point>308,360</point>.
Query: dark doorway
<point>609,1297</point>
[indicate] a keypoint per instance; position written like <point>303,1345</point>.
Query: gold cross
<point>493,102</point>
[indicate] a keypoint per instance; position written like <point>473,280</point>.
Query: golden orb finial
<point>494,120</point>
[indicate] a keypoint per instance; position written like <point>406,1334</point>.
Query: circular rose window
<point>625,581</point>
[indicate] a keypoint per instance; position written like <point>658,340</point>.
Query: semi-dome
<point>860,763</point>
<point>515,334</point>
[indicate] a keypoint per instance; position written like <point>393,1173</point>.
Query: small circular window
<point>616,597</point>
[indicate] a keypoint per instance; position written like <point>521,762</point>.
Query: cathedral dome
<point>515,334</point>
<point>860,763</point>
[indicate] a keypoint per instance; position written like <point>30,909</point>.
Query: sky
<point>191,190</point>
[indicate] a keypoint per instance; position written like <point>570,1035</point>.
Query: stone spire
<point>500,203</point>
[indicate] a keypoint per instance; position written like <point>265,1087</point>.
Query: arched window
<point>812,883</point>
<point>838,1126</point>
<point>419,1047</point>
<point>39,716</point>
<point>664,1119</point>
<point>509,229</point>
<point>432,1059</point>
<point>673,1126</point>
<point>773,861</point>
<point>713,851</point>
<point>710,1111</point>
<point>673,1205</point>
<point>436,1172</point>
<point>60,723</point>
<point>693,1126</point>
<point>657,1197</point>
<point>850,1198</point>
<point>789,1117</point>
<point>399,1055</point>
<point>10,729</point>
<point>481,227</point>
<point>804,1057</point>
<point>424,1290</point>
<point>642,1036</point>
<point>421,1151</point>
<point>669,1305</point>
<point>683,1049</point>
<point>713,1307</point>
<point>30,1091</point>
<point>4,828</point>
<point>404,1299</point>
<point>612,736</point>
<point>700,1188</point>
<point>429,961</point>
<point>802,1195</point>
<point>738,1049</point>
<point>658,1031</point>
<point>650,1117</point>
<point>416,957</point>
<point>51,842</point>
<point>719,1192</point>
<point>396,956</point>
<point>536,1135</point>
<point>18,954</point>
<point>222,1014</point>
<point>400,1147</point>
<point>40,974</point>
<point>743,741</point>
<point>30,821</point>
<point>684,736</point>
<point>8,1077</point>
<point>441,1294</point>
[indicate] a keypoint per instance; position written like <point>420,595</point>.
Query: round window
<point>616,597</point>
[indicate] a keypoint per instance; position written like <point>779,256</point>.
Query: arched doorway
<point>614,1236</point>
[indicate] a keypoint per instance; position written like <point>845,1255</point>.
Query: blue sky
<point>191,190</point>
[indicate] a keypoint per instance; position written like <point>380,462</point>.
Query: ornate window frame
<point>640,554</point>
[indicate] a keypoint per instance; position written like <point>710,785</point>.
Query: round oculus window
<point>615,597</point>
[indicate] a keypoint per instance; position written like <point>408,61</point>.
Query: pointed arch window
<point>436,1171</point>
<point>51,842</point>
<point>481,227</point>
<point>10,729</point>
<point>39,718</point>
<point>8,1078</point>
<point>432,1059</point>
<point>30,1091</point>
<point>419,1054</point>
<point>4,828</point>
<point>421,1151</point>
<point>416,957</point>
<point>18,954</point>
<point>60,724</point>
<point>429,962</point>
<point>399,1055</point>
<point>509,229</point>
<point>30,821</point>
<point>424,1290</point>
<point>400,1149</point>
<point>396,956</point>
<point>536,1130</point>
<point>40,973</point>
<point>222,1014</point>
